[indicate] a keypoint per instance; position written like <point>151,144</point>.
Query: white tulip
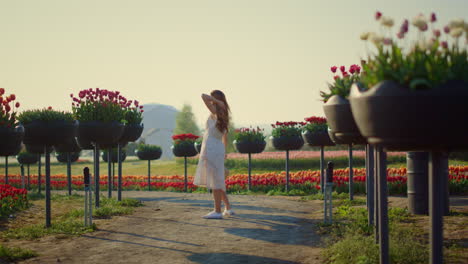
<point>365,35</point>
<point>386,21</point>
<point>419,21</point>
<point>376,39</point>
<point>456,23</point>
<point>456,32</point>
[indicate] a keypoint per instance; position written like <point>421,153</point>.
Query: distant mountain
<point>159,123</point>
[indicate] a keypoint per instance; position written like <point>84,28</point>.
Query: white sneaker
<point>213,215</point>
<point>229,212</point>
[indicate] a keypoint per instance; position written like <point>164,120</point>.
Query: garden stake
<point>250,171</point>
<point>350,149</point>
<point>119,168</point>
<point>436,204</point>
<point>149,175</point>
<point>383,206</point>
<point>6,169</point>
<point>109,172</point>
<point>96,173</point>
<point>370,183</point>
<point>322,178</point>
<point>287,170</point>
<point>69,178</point>
<point>47,186</point>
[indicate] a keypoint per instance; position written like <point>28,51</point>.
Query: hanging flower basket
<point>148,152</point>
<point>10,140</point>
<point>131,133</point>
<point>287,142</point>
<point>333,138</point>
<point>114,157</point>
<point>250,146</point>
<point>103,133</point>
<point>287,135</point>
<point>84,143</point>
<point>70,146</point>
<point>315,132</point>
<point>184,145</point>
<point>26,158</point>
<point>49,133</point>
<point>62,157</point>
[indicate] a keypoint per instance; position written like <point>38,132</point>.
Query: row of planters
<point>407,98</point>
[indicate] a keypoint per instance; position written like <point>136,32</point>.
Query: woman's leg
<point>225,200</point>
<point>217,196</point>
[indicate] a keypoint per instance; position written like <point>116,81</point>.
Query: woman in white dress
<point>210,171</point>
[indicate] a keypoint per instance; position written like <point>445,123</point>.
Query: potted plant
<point>63,156</point>
<point>133,116</point>
<point>412,97</point>
<point>337,108</point>
<point>315,132</point>
<point>114,155</point>
<point>184,145</point>
<point>287,135</point>
<point>148,152</point>
<point>249,140</point>
<point>11,133</point>
<point>100,114</point>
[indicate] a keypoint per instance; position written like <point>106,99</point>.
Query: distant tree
<point>185,122</point>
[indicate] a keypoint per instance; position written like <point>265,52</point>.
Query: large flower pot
<point>333,138</point>
<point>10,140</point>
<point>149,154</point>
<point>250,147</point>
<point>49,133</point>
<point>317,139</point>
<point>37,149</point>
<point>340,120</point>
<point>184,149</point>
<point>123,156</point>
<point>62,157</point>
<point>198,146</point>
<point>101,133</point>
<point>26,158</point>
<point>287,143</point>
<point>70,146</point>
<point>84,143</point>
<point>397,118</point>
<point>131,133</point>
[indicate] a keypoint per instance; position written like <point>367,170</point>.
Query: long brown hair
<point>222,114</point>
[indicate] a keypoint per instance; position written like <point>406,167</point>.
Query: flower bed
<point>306,181</point>
<point>12,199</point>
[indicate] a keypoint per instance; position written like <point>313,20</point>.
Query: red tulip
<point>49,108</point>
<point>433,17</point>
<point>342,69</point>
<point>333,69</point>
<point>378,15</point>
<point>2,91</point>
<point>17,104</point>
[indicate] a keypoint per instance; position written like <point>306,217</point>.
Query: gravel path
<point>169,229</point>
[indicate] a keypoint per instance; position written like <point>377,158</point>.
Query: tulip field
<point>11,199</point>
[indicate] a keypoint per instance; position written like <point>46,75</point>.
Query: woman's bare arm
<point>210,102</point>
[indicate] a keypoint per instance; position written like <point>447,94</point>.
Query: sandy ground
<point>169,229</point>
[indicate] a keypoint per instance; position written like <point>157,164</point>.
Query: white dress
<point>210,170</point>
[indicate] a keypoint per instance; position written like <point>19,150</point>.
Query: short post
<point>370,184</point>
<point>88,203</point>
<point>22,176</point>
<point>6,169</point>
<point>287,170</point>
<point>39,176</point>
<point>185,173</point>
<point>119,168</point>
<point>96,172</point>
<point>149,175</point>
<point>69,178</point>
<point>47,187</point>
<point>351,174</point>
<point>327,199</point>
<point>250,171</point>
<point>29,179</point>
<point>322,163</point>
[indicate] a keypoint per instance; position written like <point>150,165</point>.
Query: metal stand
<point>69,178</point>
<point>322,165</point>
<point>383,206</point>
<point>436,206</point>
<point>29,179</point>
<point>22,176</point>
<point>47,187</point>
<point>96,173</point>
<point>6,169</point>
<point>287,170</point>
<point>185,173</point>
<point>351,174</point>
<point>376,195</point>
<point>327,199</point>
<point>250,171</point>
<point>370,184</point>
<point>149,175</point>
<point>109,174</point>
<point>119,168</point>
<point>39,176</point>
<point>88,202</point>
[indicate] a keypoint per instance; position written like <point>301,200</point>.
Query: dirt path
<point>169,229</point>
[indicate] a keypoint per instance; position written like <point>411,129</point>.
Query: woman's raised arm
<point>210,102</point>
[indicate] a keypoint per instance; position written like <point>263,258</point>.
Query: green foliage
<point>133,116</point>
<point>15,254</point>
<point>44,115</point>
<point>148,147</point>
<point>249,135</point>
<point>185,121</point>
<point>287,129</point>
<point>67,227</point>
<point>341,86</point>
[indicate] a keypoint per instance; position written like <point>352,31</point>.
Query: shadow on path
<point>148,237</point>
<point>230,258</point>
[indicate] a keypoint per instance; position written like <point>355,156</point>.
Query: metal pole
<point>69,173</point>
<point>22,176</point>
<point>39,176</point>
<point>287,170</point>
<point>185,173</point>
<point>436,204</point>
<point>96,173</point>
<point>6,169</point>
<point>250,171</point>
<point>322,165</point>
<point>119,168</point>
<point>376,194</point>
<point>109,172</point>
<point>113,175</point>
<point>47,187</point>
<point>383,207</point>
<point>350,150</point>
<point>370,184</point>
<point>149,175</point>
<point>29,179</point>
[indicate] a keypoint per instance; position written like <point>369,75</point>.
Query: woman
<point>210,170</point>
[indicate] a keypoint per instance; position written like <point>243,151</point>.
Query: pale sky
<point>270,57</point>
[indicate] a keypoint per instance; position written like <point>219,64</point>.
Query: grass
<point>15,254</point>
